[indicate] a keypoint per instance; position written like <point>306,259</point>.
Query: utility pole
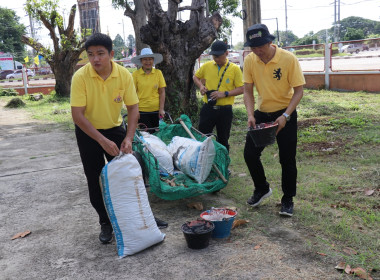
<point>122,21</point>
<point>286,24</point>
<point>335,30</point>
<point>338,20</point>
<point>32,32</point>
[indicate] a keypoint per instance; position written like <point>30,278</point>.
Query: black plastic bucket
<point>197,233</point>
<point>264,134</point>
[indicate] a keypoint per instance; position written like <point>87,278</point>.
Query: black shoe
<point>105,235</point>
<point>287,208</point>
<point>160,223</point>
<point>258,197</point>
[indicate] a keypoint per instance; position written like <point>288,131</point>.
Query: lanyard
<point>221,78</point>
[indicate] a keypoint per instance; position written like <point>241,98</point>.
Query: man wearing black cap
<point>224,80</point>
<point>279,81</point>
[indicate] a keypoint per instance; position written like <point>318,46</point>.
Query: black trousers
<point>149,120</point>
<point>287,145</point>
<point>219,117</point>
<point>92,156</point>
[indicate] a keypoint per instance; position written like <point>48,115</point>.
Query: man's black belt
<point>273,114</point>
<point>217,107</point>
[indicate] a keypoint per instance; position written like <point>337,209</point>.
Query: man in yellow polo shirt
<point>224,81</point>
<point>279,80</point>
<point>150,87</point>
<point>98,91</point>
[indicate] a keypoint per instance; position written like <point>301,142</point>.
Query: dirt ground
<point>43,189</point>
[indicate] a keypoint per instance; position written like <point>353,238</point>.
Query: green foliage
<point>118,47</point>
<point>131,41</point>
<point>310,52</point>
<point>372,36</point>
<point>238,46</point>
<point>225,7</point>
<point>15,103</point>
<point>10,32</point>
<point>45,8</point>
<point>362,29</point>
<point>353,34</point>
<point>288,37</point>
<point>308,39</point>
<point>353,28</point>
<point>8,92</point>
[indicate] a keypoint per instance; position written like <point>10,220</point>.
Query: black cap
<point>258,35</point>
<point>218,48</point>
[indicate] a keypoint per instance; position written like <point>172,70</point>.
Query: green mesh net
<point>182,186</point>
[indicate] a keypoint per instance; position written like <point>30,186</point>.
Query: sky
<point>303,16</point>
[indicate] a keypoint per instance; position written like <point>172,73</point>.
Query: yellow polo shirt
<point>275,80</point>
<point>147,86</point>
<point>103,99</point>
<point>233,78</point>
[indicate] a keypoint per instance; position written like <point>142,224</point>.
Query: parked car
<point>234,57</point>
<point>129,65</point>
<point>44,71</point>
<point>4,73</point>
<point>355,48</point>
<point>18,74</point>
<point>127,62</point>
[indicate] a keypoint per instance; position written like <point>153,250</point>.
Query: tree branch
<point>172,10</point>
<point>70,27</point>
<point>128,11</point>
<point>37,46</point>
<point>191,8</point>
<point>50,27</point>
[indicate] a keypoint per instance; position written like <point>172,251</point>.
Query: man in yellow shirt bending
<point>279,80</point>
<point>98,91</point>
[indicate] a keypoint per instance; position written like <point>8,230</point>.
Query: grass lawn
<point>337,202</point>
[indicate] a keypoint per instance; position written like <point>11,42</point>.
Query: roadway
<point>368,60</point>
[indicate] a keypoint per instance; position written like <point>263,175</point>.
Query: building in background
<point>89,15</point>
<point>8,63</point>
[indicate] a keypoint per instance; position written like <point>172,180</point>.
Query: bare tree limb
<point>70,26</point>
<point>128,11</point>
<point>172,10</point>
<point>34,44</point>
<point>191,8</point>
<point>51,29</point>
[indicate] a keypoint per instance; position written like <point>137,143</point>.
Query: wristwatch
<point>226,93</point>
<point>287,117</point>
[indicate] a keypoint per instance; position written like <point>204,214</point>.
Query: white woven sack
<point>194,158</point>
<point>128,207</point>
<point>159,150</point>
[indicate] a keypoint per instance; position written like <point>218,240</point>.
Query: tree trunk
<point>63,68</point>
<point>138,18</point>
<point>251,13</point>
<point>137,23</point>
<point>180,43</point>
